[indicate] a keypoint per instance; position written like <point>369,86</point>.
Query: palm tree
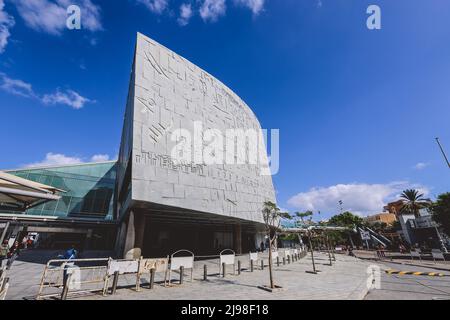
<point>413,202</point>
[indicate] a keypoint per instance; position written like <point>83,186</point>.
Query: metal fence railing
<point>4,283</point>
<point>86,275</point>
<point>72,278</point>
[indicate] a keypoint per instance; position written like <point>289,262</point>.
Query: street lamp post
<point>443,152</point>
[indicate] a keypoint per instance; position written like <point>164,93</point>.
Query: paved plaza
<point>412,287</point>
<point>345,280</point>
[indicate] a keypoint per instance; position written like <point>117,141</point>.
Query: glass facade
<point>89,190</point>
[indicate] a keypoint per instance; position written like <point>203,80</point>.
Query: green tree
<point>303,215</point>
<point>272,216</point>
<point>380,226</point>
<point>346,219</point>
<point>413,202</point>
<point>396,226</point>
<point>441,211</point>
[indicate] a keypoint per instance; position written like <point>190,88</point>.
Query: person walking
<point>383,253</point>
<point>13,253</point>
<point>262,246</point>
<point>4,248</point>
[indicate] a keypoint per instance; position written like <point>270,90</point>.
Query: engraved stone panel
<point>172,93</point>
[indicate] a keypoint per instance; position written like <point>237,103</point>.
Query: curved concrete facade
<point>168,93</point>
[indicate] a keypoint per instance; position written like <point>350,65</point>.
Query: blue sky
<point>357,109</point>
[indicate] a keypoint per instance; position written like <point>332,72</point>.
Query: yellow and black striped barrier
<point>415,273</point>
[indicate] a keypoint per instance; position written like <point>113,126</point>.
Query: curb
<point>414,273</point>
<point>406,264</point>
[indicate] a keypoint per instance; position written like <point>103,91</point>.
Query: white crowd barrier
<point>187,262</point>
<point>227,257</point>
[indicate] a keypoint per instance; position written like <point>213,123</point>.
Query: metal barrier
<point>287,253</point>
<point>87,275</point>
<point>4,283</point>
<point>227,259</point>
<point>117,268</point>
<point>62,278</point>
<point>416,254</point>
<point>437,254</point>
<point>181,263</point>
<point>253,256</point>
<point>152,266</point>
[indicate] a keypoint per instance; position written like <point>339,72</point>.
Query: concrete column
<point>130,238</point>
<point>120,239</point>
<point>237,239</point>
<point>139,226</point>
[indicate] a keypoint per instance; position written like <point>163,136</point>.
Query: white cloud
<point>67,97</point>
<point>155,6</point>
<point>211,10</point>
<point>256,6</point>
<point>421,165</point>
<point>24,89</point>
<point>50,16</point>
<point>360,199</point>
<point>6,23</point>
<point>16,87</point>
<point>185,14</point>
<point>55,159</point>
<point>58,159</point>
<point>100,158</point>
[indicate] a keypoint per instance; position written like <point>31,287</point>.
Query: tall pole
<point>325,238</point>
<point>443,152</point>
<point>312,252</point>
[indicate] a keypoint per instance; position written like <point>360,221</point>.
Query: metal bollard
<point>152,278</point>
<point>289,259</point>
<point>251,265</point>
<point>224,269</point>
<point>66,287</point>
<point>181,274</point>
<point>278,261</point>
<point>262,264</point>
<point>284,261</point>
<point>115,281</point>
<point>239,267</point>
<point>205,272</point>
